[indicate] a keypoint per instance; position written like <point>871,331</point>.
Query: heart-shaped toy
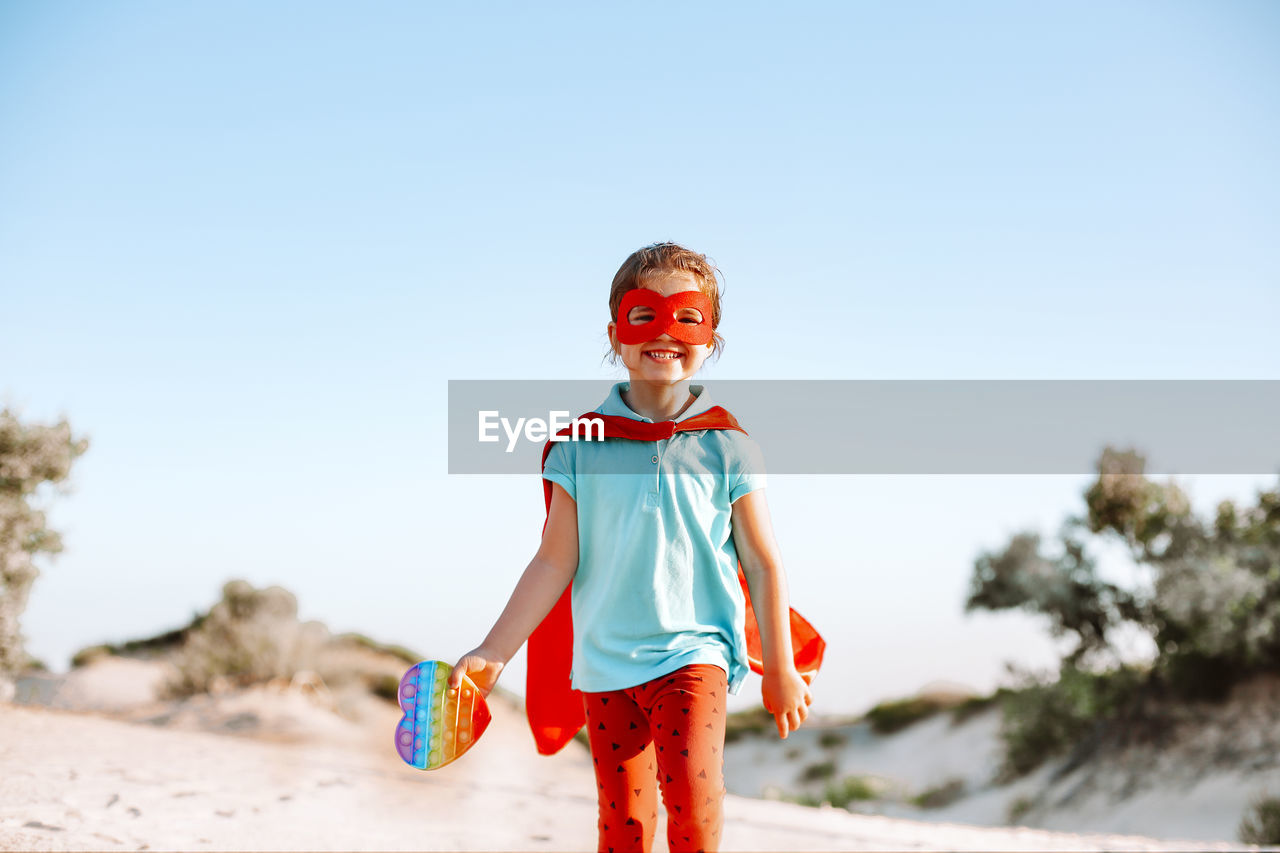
<point>439,723</point>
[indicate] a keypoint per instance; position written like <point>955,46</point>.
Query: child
<point>651,550</point>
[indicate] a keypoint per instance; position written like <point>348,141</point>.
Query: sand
<point>274,768</point>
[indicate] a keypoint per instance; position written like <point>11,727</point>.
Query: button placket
<point>656,460</point>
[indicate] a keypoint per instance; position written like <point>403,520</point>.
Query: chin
<point>670,378</point>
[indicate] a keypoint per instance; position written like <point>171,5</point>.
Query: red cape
<point>554,707</point>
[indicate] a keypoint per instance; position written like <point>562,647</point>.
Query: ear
<point>612,331</point>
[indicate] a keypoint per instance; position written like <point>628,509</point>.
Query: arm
<point>786,694</point>
<point>539,588</point>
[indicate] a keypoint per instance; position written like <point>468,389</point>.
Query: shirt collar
<point>613,404</point>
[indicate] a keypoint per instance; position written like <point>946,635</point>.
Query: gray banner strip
<point>917,426</point>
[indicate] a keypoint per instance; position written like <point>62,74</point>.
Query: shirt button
<point>654,460</point>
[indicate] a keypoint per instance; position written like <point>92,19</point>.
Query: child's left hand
<point>787,697</point>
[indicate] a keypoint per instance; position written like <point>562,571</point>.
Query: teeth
<point>663,355</point>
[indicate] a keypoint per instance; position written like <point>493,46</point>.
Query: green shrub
<point>1261,822</point>
<point>386,687</point>
<point>850,789</point>
<point>400,653</point>
<point>1018,809</point>
<point>831,739</point>
<point>249,636</point>
<point>88,655</point>
<point>810,800</point>
<point>1210,601</point>
<point>814,772</point>
<point>975,705</point>
<point>1199,677</point>
<point>740,724</point>
<point>31,457</point>
<point>1042,720</point>
<point>894,716</point>
<point>146,648</point>
<point>940,796</point>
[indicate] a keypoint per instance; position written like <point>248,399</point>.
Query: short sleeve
<point>745,467</point>
<point>559,467</point>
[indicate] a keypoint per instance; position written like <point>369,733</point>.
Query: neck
<point>658,401</point>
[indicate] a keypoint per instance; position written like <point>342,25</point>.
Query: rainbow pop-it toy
<point>439,723</point>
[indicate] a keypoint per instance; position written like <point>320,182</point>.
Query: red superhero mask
<point>669,317</point>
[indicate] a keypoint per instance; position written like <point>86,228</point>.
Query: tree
<point>1212,607</point>
<point>30,457</point>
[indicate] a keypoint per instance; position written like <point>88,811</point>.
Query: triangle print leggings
<point>668,731</point>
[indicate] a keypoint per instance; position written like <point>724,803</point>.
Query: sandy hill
<point>248,731</point>
<point>1195,780</point>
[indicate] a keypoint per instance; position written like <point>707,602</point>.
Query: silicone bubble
<point>439,723</point>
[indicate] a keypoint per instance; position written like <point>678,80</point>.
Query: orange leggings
<point>671,730</point>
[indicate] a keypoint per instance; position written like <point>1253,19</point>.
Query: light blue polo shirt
<point>657,585</point>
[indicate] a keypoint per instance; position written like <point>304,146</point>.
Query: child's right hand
<point>481,666</point>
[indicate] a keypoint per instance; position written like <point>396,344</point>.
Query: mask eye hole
<point>640,315</point>
<point>689,315</point>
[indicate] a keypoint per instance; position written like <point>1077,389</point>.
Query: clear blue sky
<point>244,246</point>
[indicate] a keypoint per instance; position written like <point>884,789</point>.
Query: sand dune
<point>273,769</point>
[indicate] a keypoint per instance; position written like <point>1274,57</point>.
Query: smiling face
<point>664,359</point>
